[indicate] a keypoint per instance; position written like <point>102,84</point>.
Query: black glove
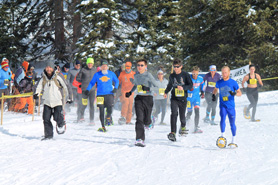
<point>144,88</point>
<point>232,93</point>
<point>128,94</point>
<point>35,96</point>
<point>69,102</point>
<point>115,90</point>
<point>213,97</point>
<point>79,86</point>
<point>86,92</point>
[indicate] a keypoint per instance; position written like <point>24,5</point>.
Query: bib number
<point>100,100</point>
<point>225,98</point>
<point>161,91</point>
<point>188,104</point>
<point>179,93</point>
<point>84,101</point>
<point>253,81</point>
<point>189,95</point>
<point>211,84</point>
<point>140,90</point>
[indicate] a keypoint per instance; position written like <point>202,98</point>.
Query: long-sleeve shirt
<point>104,83</point>
<point>183,79</point>
<point>146,79</point>
<point>160,90</point>
<point>210,82</point>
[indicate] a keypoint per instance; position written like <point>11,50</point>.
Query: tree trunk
<point>59,30</point>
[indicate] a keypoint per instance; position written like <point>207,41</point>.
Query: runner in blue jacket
<point>105,93</point>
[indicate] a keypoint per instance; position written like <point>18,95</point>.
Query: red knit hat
<point>4,64</point>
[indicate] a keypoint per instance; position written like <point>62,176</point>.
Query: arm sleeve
<point>66,86</point>
<point>188,84</point>
<point>79,76</point>
<point>92,82</point>
<point>170,85</point>
<point>38,87</point>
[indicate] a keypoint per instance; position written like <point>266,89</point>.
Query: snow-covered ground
<point>84,156</point>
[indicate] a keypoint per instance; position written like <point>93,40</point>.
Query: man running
<point>179,82</point>
<point>143,81</point>
<point>193,99</point>
<point>228,88</point>
<point>210,80</point>
<point>252,80</point>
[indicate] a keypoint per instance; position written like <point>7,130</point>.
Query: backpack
<point>55,81</point>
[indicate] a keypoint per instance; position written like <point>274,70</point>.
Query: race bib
<point>225,98</point>
<point>65,76</point>
<point>190,95</point>
<point>179,93</point>
<point>100,100</point>
<point>211,84</point>
<point>139,89</point>
<point>188,104</point>
<point>84,101</point>
<point>253,81</point>
<point>161,91</point>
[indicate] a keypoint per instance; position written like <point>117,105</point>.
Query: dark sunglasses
<point>138,65</point>
<point>177,66</point>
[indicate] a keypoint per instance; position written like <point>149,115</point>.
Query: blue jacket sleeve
<point>92,82</point>
<point>116,80</point>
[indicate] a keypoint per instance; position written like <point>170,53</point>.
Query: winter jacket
<point>52,94</point>
<point>71,75</point>
<point>26,85</point>
<point>4,75</point>
<point>76,84</point>
<point>104,82</point>
<point>160,89</point>
<point>126,80</point>
<point>85,76</point>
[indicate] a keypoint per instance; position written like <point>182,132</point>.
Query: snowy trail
<point>84,156</point>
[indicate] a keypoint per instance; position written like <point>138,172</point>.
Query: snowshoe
<point>102,129</point>
<point>212,122</point>
<point>246,113</point>
<point>232,145</point>
<point>221,142</point>
<point>207,120</point>
<point>183,131</point>
<point>140,142</point>
<point>197,131</point>
<point>46,138</point>
<point>172,136</point>
<point>109,122</point>
<point>122,121</point>
<point>61,130</point>
<point>255,120</point>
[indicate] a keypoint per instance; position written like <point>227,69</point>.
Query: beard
<point>104,72</point>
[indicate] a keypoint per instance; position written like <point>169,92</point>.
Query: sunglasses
<point>138,65</point>
<point>177,66</point>
<point>195,74</point>
<point>127,66</point>
<point>213,70</point>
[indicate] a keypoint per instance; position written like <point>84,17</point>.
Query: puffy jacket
<point>85,76</point>
<point>71,75</point>
<point>52,94</point>
<point>76,84</point>
<point>4,75</point>
<point>26,85</point>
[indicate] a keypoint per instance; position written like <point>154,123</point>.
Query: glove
<point>69,101</point>
<point>213,97</point>
<point>35,96</point>
<point>202,95</point>
<point>6,82</point>
<point>115,90</point>
<point>144,88</point>
<point>232,93</point>
<point>128,94</point>
<point>131,80</point>
<point>79,86</point>
<point>86,92</point>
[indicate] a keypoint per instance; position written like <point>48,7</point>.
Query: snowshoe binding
<point>246,113</point>
<point>221,142</point>
<point>102,129</point>
<point>109,122</point>
<point>197,131</point>
<point>255,120</point>
<point>45,138</point>
<point>183,131</point>
<point>140,142</point>
<point>149,127</point>
<point>62,129</point>
<point>232,145</point>
<point>172,136</point>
